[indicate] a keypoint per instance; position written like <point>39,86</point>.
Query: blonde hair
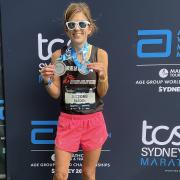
<point>74,8</point>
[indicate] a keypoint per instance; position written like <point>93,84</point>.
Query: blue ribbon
<point>71,54</point>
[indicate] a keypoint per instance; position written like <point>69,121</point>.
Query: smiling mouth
<point>77,34</point>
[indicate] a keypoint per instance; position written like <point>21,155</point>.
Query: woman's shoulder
<point>100,50</point>
<point>101,53</point>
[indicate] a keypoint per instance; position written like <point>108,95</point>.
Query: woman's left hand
<point>98,67</point>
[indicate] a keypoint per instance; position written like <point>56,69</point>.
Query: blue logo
<point>166,35</point>
<point>42,131</point>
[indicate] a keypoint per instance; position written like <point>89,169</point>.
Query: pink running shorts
<point>86,130</point>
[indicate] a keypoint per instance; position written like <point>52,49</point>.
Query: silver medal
<point>60,68</point>
<point>83,70</point>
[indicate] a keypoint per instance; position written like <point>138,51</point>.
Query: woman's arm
<point>102,68</point>
<point>54,85</point>
<point>103,84</point>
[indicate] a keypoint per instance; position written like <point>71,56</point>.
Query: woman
<point>81,84</point>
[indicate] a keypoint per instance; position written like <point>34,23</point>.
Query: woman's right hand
<point>47,72</point>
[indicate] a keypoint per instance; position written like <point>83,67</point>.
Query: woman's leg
<point>90,160</point>
<point>62,161</point>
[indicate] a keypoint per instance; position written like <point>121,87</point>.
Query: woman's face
<point>78,36</point>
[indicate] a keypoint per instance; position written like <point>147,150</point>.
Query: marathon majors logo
<point>158,151</point>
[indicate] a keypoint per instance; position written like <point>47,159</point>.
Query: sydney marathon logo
<point>155,53</point>
<point>160,146</point>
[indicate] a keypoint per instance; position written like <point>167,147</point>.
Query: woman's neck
<point>77,47</point>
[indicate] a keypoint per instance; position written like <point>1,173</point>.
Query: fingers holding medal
<point>47,71</point>
<point>98,67</point>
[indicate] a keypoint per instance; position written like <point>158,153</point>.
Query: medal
<point>60,68</point>
<point>83,70</point>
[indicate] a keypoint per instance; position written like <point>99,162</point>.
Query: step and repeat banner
<point>142,39</point>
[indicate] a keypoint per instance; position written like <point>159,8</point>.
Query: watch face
<point>60,68</point>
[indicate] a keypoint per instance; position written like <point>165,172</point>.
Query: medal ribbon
<point>71,54</point>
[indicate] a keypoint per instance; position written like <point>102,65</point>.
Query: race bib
<point>80,98</point>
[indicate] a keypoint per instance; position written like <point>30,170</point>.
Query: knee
<point>89,173</point>
<point>60,176</point>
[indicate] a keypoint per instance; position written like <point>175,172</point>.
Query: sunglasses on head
<point>71,25</point>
